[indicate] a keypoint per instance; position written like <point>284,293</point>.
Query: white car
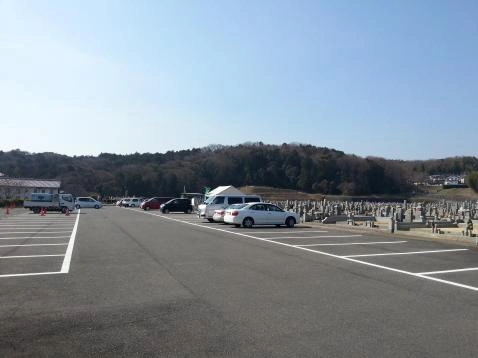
<point>260,214</point>
<point>131,202</point>
<point>87,202</point>
<point>219,213</point>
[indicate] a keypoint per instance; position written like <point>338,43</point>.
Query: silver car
<point>87,202</point>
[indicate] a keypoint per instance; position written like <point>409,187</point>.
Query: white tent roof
<point>225,190</point>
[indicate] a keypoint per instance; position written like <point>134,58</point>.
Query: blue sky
<point>394,79</point>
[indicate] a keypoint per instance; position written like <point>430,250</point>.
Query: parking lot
<point>33,244</point>
<point>127,282</point>
<point>447,264</point>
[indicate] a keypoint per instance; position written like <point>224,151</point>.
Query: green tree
<point>472,181</point>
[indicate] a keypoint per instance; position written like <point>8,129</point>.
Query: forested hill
<point>292,166</point>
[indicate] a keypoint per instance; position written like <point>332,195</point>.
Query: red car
<point>154,203</point>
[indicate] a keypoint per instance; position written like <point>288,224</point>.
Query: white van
<point>206,209</point>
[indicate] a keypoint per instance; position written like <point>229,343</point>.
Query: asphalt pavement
<point>126,282</point>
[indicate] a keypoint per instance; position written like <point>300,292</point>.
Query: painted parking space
<point>424,261</point>
<point>467,276</point>
<point>31,265</point>
<point>32,245</point>
<point>374,246</point>
<point>392,255</point>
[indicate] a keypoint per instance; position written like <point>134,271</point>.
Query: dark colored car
<point>154,203</point>
<point>179,204</point>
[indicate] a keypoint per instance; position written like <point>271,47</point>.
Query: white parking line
<point>34,226</point>
<point>33,232</point>
<point>28,256</point>
<point>407,253</point>
<point>30,223</point>
<point>34,237</point>
<point>65,267</point>
<point>33,245</point>
<point>52,224</point>
<point>310,237</point>
<point>356,243</point>
<point>448,271</point>
<point>37,224</point>
<point>30,274</point>
<point>430,278</point>
<point>38,219</point>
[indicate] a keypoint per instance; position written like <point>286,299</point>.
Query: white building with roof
<point>21,188</point>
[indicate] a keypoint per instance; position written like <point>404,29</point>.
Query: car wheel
<point>97,206</point>
<point>165,211</point>
<point>248,222</point>
<point>77,206</point>
<point>132,205</point>
<point>63,209</point>
<point>147,208</point>
<point>210,220</point>
<point>290,222</point>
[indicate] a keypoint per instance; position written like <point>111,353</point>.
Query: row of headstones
<point>405,211</point>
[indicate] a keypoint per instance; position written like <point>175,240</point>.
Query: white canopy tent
<point>224,190</point>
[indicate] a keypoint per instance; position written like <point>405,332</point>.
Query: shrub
<point>472,181</point>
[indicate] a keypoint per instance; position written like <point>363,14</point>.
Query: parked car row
<point>164,204</point>
<point>154,202</point>
<point>130,202</point>
<point>238,210</point>
<point>246,211</point>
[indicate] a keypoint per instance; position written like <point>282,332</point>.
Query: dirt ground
<point>434,194</point>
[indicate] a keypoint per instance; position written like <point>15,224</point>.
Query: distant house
<point>446,180</point>
<point>21,188</point>
<point>454,180</point>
